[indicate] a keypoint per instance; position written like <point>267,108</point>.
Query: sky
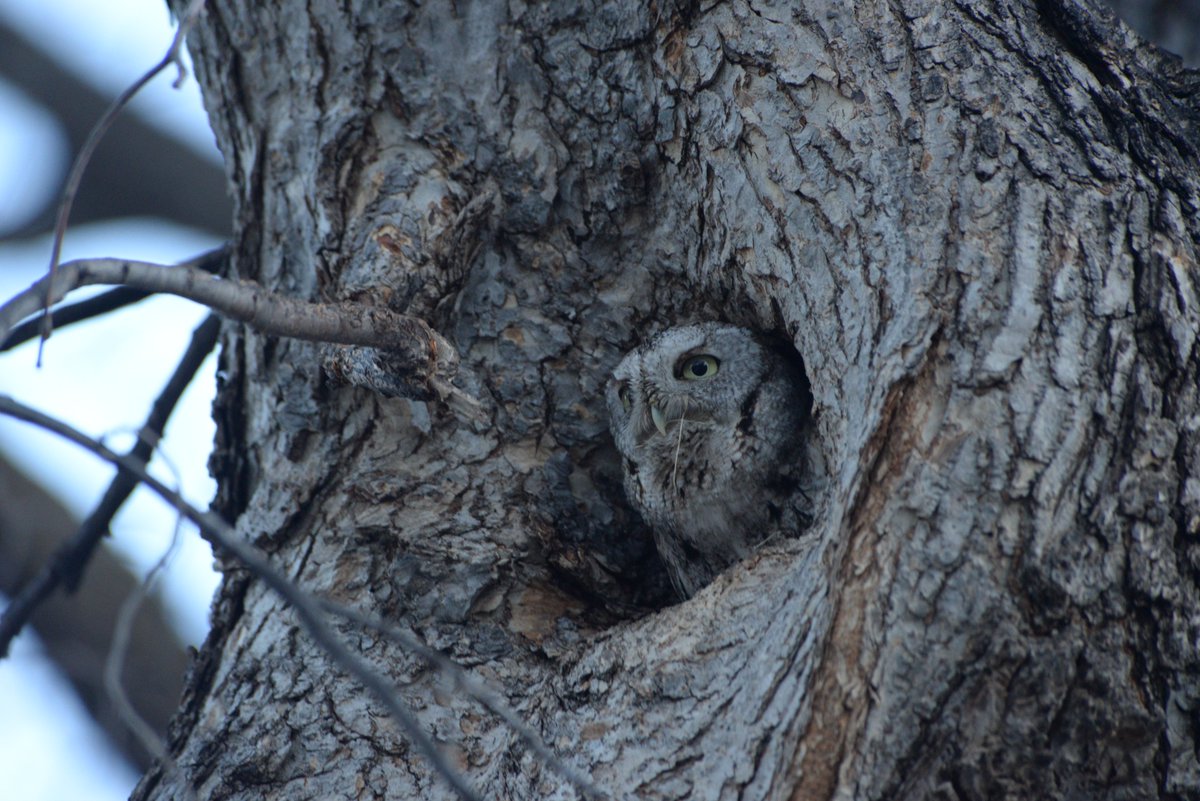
<point>105,390</point>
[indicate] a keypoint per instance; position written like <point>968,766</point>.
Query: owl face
<point>698,376</point>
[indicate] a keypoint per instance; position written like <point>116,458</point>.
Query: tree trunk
<point>977,224</point>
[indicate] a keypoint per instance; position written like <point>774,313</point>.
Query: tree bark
<point>977,224</point>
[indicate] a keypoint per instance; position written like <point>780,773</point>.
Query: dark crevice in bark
<point>1163,141</point>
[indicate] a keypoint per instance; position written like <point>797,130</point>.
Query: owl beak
<point>659,415</point>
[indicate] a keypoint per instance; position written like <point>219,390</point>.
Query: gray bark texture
<point>976,222</point>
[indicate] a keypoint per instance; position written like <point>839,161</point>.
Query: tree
<point>975,223</point>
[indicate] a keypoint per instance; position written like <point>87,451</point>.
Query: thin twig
<point>66,567</point>
<point>409,340</point>
<point>114,664</point>
<point>210,262</point>
<point>307,609</point>
<point>75,178</point>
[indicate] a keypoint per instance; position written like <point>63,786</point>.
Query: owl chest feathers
<point>709,483</point>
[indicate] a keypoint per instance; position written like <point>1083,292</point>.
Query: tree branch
<point>309,610</point>
<point>415,349</point>
<point>114,666</point>
<point>75,177</point>
<point>210,262</point>
<point>171,181</point>
<point>67,565</point>
<point>76,631</point>
<point>472,686</point>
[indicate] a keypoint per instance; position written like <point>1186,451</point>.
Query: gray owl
<point>712,423</point>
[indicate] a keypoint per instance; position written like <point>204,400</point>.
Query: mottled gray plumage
<point>712,424</point>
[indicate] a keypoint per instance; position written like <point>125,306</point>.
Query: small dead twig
<point>114,665</point>
<point>307,609</point>
<point>75,177</point>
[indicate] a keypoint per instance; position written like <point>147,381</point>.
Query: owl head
<point>705,375</point>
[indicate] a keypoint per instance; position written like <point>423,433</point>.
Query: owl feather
<point>712,424</point>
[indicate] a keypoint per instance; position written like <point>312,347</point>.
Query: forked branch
<point>75,177</point>
<point>72,558</point>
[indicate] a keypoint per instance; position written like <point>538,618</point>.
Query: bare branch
<point>413,346</point>
<point>75,177</point>
<point>114,664</point>
<point>210,262</point>
<point>66,568</point>
<point>473,687</point>
<point>307,609</point>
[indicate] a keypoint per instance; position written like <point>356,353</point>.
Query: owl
<point>712,424</point>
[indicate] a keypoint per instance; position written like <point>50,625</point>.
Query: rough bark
<point>975,221</point>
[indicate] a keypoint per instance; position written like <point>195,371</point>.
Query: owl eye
<point>626,397</point>
<point>698,368</point>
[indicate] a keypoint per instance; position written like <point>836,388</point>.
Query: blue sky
<point>100,377</point>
